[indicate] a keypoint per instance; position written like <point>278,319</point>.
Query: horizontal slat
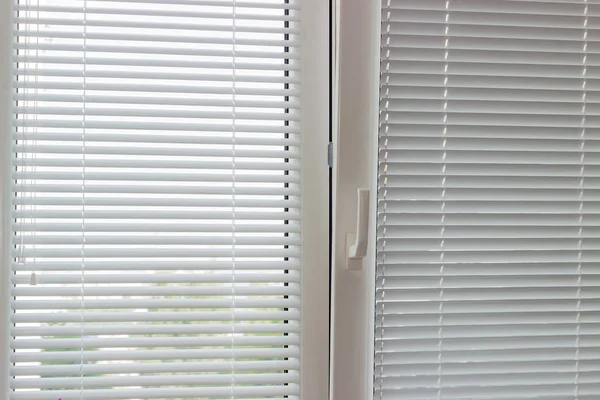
<point>157,329</point>
<point>488,18</point>
<point>123,37</point>
<point>490,367</point>
<point>506,256</point>
<point>155,25</point>
<point>476,281</point>
<point>487,244</point>
<point>150,381</point>
<point>162,393</point>
<point>158,189</point>
<point>155,62</point>
<point>255,240</point>
<point>487,157</point>
<point>516,132</point>
<point>399,31</point>
<point>396,108</point>
<point>262,216</point>
<point>487,119</point>
<point>479,62</point>
<point>106,355</point>
<point>393,143</point>
<point>489,218</point>
<point>155,252</point>
<point>165,316</point>
<point>535,47</point>
<point>152,164</point>
<point>491,194</point>
<point>153,290</point>
<point>396,239</point>
<point>171,367</point>
<point>475,72</point>
<point>130,88</point>
<point>549,206</point>
<point>410,75</point>
<point>552,392</point>
<point>138,177</point>
<point>403,290</point>
<point>252,4</point>
<point>188,278</point>
<point>478,306</point>
<point>156,265</point>
<point>92,12</point>
<point>459,382</point>
<point>136,227</point>
<point>487,267</point>
<point>154,202</point>
<point>28,71</point>
<point>455,182</point>
<point>94,304</point>
<point>418,321</point>
<point>535,7</point>
<point>158,151</point>
<point>543,331</point>
<point>95,98</point>
<point>90,49</point>
<point>396,91</point>
<point>149,126</point>
<point>208,341</point>
<point>140,112</point>
<point>490,156</point>
<point>547,354</point>
<point>400,168</point>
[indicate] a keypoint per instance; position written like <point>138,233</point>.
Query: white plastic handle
<point>356,243</point>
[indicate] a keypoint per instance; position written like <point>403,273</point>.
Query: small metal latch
<point>330,154</point>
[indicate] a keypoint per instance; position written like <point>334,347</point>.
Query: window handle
<point>356,243</point>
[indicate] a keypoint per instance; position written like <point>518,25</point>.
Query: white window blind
<point>156,200</point>
<point>487,283</point>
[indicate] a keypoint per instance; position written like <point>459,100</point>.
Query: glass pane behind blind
<point>156,200</point>
<point>487,227</point>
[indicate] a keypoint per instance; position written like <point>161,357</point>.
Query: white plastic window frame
<point>355,119</point>
<point>314,358</point>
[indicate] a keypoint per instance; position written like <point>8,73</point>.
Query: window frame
<point>355,126</point>
<point>314,76</point>
<point>6,69</point>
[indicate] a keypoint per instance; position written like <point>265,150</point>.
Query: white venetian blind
<point>488,225</point>
<point>156,200</point>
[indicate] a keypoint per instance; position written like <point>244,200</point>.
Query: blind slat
<point>137,11</point>
<point>155,227</point>
<point>158,342</point>
<point>149,381</point>
<point>153,354</point>
<point>181,265</point>
<point>157,329</point>
<point>114,112</point>
<point>140,177</point>
<point>139,23</point>
<point>54,370</point>
<point>163,100</point>
<point>146,316</point>
<point>156,37</point>
<point>169,393</point>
